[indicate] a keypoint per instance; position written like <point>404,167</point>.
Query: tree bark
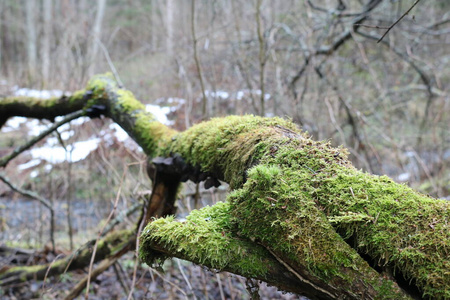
<point>30,12</point>
<point>46,37</point>
<point>96,34</point>
<point>170,9</point>
<point>300,216</point>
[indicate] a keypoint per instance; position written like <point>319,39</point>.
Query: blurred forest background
<point>315,62</point>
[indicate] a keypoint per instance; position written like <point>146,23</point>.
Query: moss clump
<point>205,238</point>
<point>291,210</point>
<point>151,134</point>
<point>302,199</point>
<point>229,146</point>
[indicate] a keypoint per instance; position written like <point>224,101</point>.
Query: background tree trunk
<point>96,35</point>
<point>46,40</point>
<point>30,13</point>
<point>170,11</point>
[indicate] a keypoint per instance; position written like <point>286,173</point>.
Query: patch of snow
<point>160,112</point>
<point>13,124</point>
<point>258,92</point>
<point>119,133</point>
<point>35,127</point>
<point>64,127</point>
<point>52,141</point>
<point>75,152</point>
<point>239,95</point>
<point>217,94</point>
<point>43,94</point>
<point>176,100</point>
<point>77,121</point>
<point>80,120</point>
<point>404,177</point>
<point>31,163</point>
<point>34,174</point>
<point>67,134</point>
<point>409,153</point>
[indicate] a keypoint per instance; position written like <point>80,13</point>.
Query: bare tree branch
<point>396,22</point>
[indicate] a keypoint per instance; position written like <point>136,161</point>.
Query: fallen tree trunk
<point>300,216</point>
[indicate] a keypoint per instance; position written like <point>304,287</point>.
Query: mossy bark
<point>349,233</point>
<point>112,245</point>
<point>296,205</point>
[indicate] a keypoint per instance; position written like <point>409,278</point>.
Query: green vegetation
<point>205,238</point>
<point>229,145</point>
<point>302,199</point>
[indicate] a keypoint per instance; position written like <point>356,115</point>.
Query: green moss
<point>128,102</point>
<point>205,238</point>
<point>292,198</point>
<point>229,145</point>
<point>151,134</point>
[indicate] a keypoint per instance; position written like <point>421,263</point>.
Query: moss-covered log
<point>296,204</point>
<point>113,245</point>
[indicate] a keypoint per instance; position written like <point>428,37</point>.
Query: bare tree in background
<point>170,10</point>
<point>30,12</point>
<point>96,34</point>
<point>261,56</point>
<point>46,40</point>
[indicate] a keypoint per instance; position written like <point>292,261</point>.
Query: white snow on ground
<point>31,163</point>
<point>43,94</point>
<point>75,152</point>
<point>217,94</point>
<point>404,177</point>
<point>120,134</point>
<point>13,124</point>
<point>160,113</point>
<point>77,121</point>
<point>242,93</point>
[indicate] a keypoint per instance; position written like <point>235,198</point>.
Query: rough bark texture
<point>299,216</point>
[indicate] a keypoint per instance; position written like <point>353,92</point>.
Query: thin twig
<point>299,277</point>
<point>101,232</point>
<point>136,262</point>
<point>110,63</point>
<point>119,274</point>
<point>184,275</point>
<point>372,26</point>
<point>396,22</point>
<point>48,270</point>
<point>104,265</point>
